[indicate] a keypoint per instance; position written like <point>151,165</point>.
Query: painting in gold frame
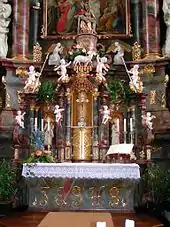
<point>60,18</point>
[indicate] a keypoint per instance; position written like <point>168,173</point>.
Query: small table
<point>81,186</point>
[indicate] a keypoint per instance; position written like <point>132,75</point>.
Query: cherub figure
<point>32,82</point>
<point>54,58</point>
<point>149,117</point>
<point>135,83</point>
<point>57,112</point>
<point>106,114</point>
<point>63,69</point>
<point>20,118</point>
<point>101,66</point>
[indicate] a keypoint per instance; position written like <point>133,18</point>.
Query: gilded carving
<point>163,101</point>
<point>136,51</point>
<point>149,69</point>
<point>37,53</point>
<point>114,195</point>
<point>21,72</point>
<point>96,196</point>
<point>7,97</point>
<point>44,197</point>
<point>59,198</point>
<point>152,97</point>
<point>78,197</point>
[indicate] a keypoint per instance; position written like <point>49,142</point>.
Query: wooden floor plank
<point>32,219</point>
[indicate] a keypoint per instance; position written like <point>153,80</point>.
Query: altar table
<point>81,186</point>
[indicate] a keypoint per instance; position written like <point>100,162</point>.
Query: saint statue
<point>5,12</point>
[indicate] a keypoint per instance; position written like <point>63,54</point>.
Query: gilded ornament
<point>96,196</point>
<point>59,198</point>
<point>114,193</point>
<point>149,69</point>
<point>78,196</point>
<point>37,53</point>
<point>44,197</point>
<point>166,80</point>
<point>21,72</point>
<point>163,101</point>
<point>81,83</point>
<point>136,51</point>
<point>152,97</point>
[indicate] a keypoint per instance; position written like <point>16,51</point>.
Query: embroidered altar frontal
<point>88,186</point>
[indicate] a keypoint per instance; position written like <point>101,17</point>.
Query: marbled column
<point>151,29</point>
<point>35,21</point>
<point>21,17</point>
<point>136,19</point>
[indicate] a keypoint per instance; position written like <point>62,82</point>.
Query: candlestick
<point>35,123</point>
<point>129,223</point>
<point>48,124</point>
<point>131,125</point>
<point>42,124</point>
<point>118,125</point>
<point>101,224</point>
<point>124,125</point>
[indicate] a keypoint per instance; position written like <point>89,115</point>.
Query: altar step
<point>32,219</point>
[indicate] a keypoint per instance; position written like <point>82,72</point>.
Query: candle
<point>42,124</point>
<point>124,125</point>
<point>48,124</point>
<point>101,224</point>
<point>36,121</point>
<point>129,223</point>
<point>118,125</point>
<point>131,125</point>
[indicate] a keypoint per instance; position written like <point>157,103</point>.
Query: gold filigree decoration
<point>149,69</point>
<point>81,83</point>
<point>44,197</point>
<point>83,68</point>
<point>78,197</point>
<point>96,195</point>
<point>37,53</point>
<point>166,80</point>
<point>95,93</point>
<point>136,51</point>
<point>163,101</point>
<point>114,194</point>
<point>59,198</point>
<point>152,97</point>
<point>21,72</point>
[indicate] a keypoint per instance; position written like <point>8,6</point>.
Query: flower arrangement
<point>39,156</point>
<point>74,51</point>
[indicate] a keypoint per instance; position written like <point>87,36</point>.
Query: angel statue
<point>33,81</point>
<point>100,67</point>
<point>166,10</point>
<point>54,58</point>
<point>20,118</point>
<point>57,112</point>
<point>63,70</point>
<point>118,48</point>
<point>135,83</point>
<point>148,119</point>
<point>106,114</point>
<point>5,12</point>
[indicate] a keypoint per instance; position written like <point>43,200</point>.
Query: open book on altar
<point>122,148</point>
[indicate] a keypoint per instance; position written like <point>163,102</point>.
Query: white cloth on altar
<point>82,170</point>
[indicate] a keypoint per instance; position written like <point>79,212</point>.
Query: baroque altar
<point>80,102</point>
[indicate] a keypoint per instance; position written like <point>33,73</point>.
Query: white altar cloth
<point>82,170</point>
